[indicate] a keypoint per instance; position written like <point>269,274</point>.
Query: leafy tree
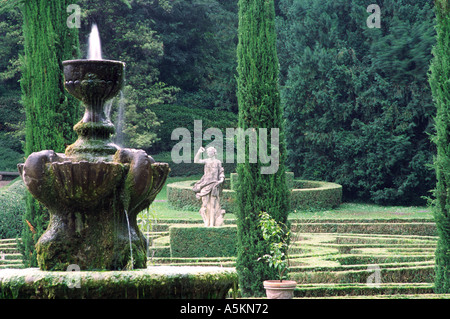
<point>259,107</point>
<point>440,71</point>
<point>357,105</point>
<point>12,116</point>
<point>50,111</point>
<point>200,38</point>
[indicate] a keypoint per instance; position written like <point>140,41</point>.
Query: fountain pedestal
<point>96,189</point>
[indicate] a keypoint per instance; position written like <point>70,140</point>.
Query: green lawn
<point>161,209</point>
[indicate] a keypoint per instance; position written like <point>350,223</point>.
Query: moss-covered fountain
<point>93,247</point>
<point>96,189</point>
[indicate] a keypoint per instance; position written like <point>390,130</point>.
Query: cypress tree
<point>50,112</point>
<point>440,86</point>
<point>259,107</point>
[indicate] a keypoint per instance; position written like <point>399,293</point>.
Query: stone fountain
<point>93,247</point>
<point>96,189</point>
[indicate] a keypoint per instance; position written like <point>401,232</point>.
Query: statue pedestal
<point>199,241</point>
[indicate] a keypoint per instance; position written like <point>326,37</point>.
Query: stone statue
<point>209,187</point>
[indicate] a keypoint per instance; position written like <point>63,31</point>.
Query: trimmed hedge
<point>326,290</point>
<point>189,169</point>
<point>200,241</point>
<point>12,207</point>
<point>181,196</point>
<point>150,283</point>
<point>392,228</point>
<point>234,180</point>
<point>312,194</point>
<point>393,275</point>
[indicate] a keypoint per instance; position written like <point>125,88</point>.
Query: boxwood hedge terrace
<point>199,241</point>
<point>304,194</point>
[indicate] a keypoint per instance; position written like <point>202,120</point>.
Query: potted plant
<point>278,237</point>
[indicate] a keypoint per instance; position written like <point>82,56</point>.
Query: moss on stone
<point>151,283</point>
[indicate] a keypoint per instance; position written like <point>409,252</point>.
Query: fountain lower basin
<point>155,282</point>
<point>93,208</point>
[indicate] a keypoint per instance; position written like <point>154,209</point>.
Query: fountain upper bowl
<point>93,81</point>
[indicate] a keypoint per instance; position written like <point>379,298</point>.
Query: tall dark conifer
<point>50,112</point>
<point>259,107</point>
<point>357,102</point>
<point>440,86</point>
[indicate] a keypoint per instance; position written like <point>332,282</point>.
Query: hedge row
<point>406,228</point>
<point>318,195</point>
<point>355,259</point>
<point>322,290</point>
<point>396,274</point>
<point>181,196</point>
<point>290,182</point>
<point>189,169</point>
<point>150,283</point>
<point>315,195</point>
<point>199,241</point>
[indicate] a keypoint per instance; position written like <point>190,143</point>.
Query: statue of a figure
<point>209,188</point>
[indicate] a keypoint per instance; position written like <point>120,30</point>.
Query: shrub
<point>278,238</point>
<point>10,152</point>
<point>12,207</point>
<point>199,241</point>
<point>312,195</point>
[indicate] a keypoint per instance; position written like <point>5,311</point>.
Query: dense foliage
<point>259,107</point>
<point>200,40</point>
<point>358,106</point>
<point>12,207</point>
<point>174,50</point>
<point>440,72</point>
<point>12,114</point>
